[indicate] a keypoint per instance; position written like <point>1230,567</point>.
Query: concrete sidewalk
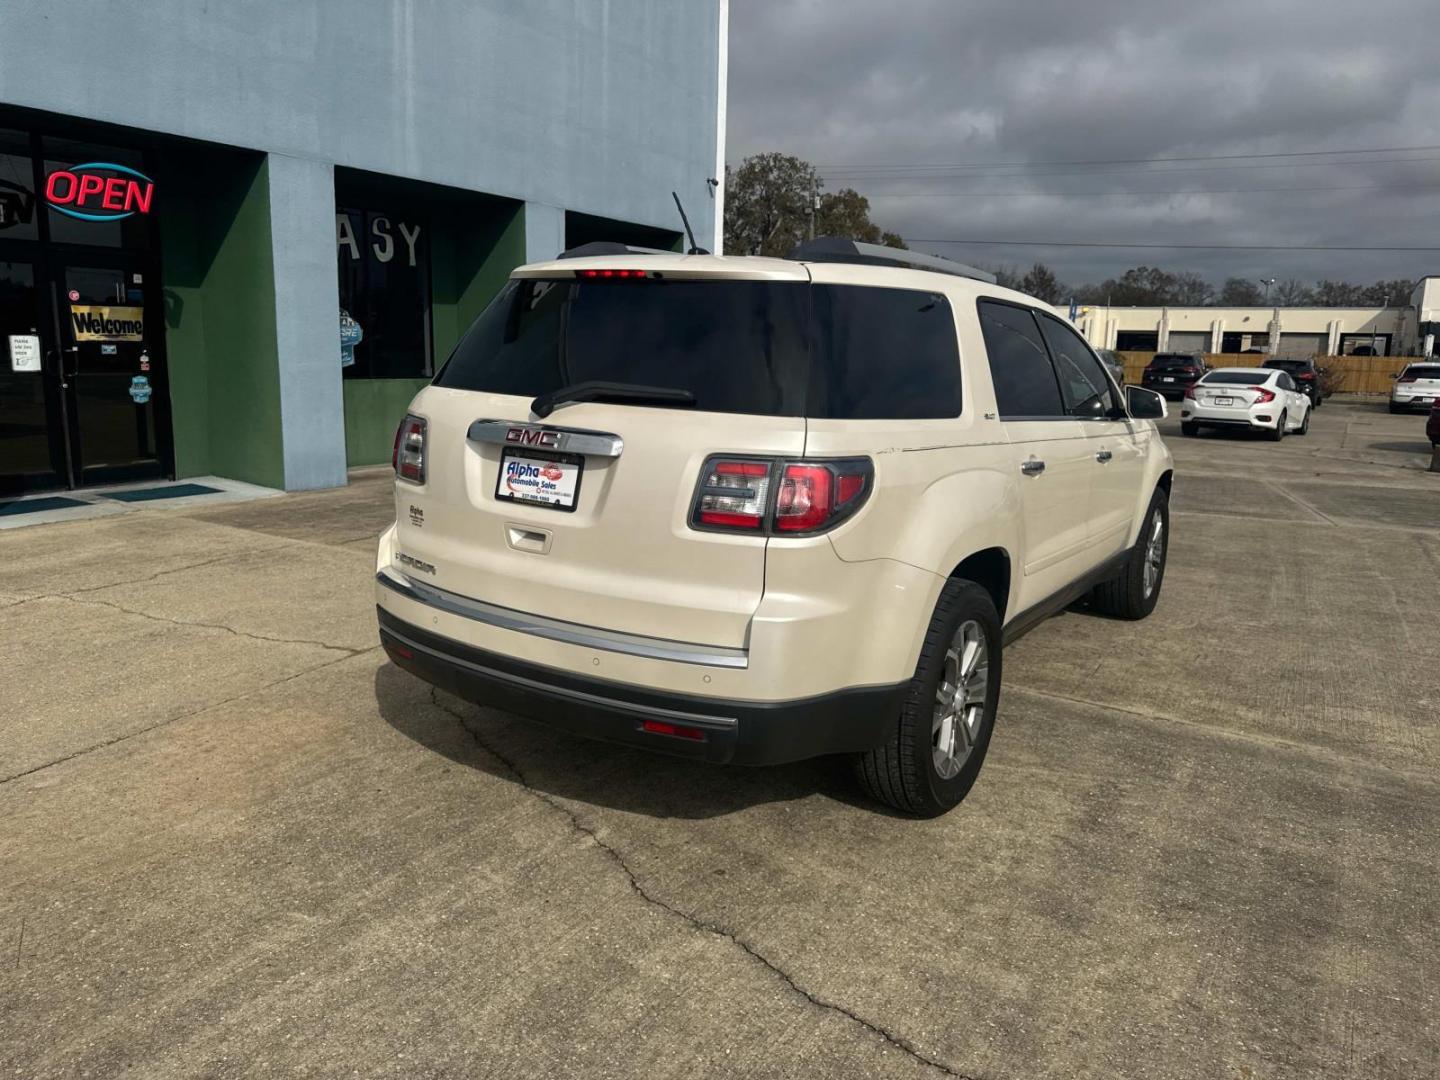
<point>235,841</point>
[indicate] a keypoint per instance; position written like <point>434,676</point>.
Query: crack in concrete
<point>347,650</point>
<point>73,593</point>
<point>181,716</point>
<point>890,1038</point>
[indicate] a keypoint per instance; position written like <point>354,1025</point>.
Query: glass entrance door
<point>32,450</point>
<point>112,372</point>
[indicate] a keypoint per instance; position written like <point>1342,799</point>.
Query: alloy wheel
<point>960,699</point>
<point>1154,554</point>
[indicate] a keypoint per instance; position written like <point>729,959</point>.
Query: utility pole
<point>1267,282</point>
<point>814,208</point>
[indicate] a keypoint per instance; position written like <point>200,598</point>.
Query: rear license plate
<point>1168,378</point>
<point>1224,401</point>
<point>550,480</point>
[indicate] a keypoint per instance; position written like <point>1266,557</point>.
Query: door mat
<point>38,506</point>
<point>170,491</point>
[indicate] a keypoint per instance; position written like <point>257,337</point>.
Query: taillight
<point>1189,371</point>
<point>1307,376</point>
<point>810,496</point>
<point>733,494</point>
<point>408,459</point>
<point>1190,391</point>
<point>1265,395</point>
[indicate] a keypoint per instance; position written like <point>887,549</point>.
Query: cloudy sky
<point>1007,95</point>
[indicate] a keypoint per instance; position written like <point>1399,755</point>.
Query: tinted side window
<point>883,354</point>
<point>1083,384</point>
<point>1286,383</point>
<point>1019,365</point>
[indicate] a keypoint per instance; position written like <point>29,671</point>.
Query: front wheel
<point>934,753</point>
<point>1134,592</point>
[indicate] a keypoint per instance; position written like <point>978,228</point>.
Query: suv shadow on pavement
<point>543,760</point>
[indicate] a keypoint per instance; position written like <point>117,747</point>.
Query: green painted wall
<point>219,293</point>
<point>373,408</point>
<point>474,244</point>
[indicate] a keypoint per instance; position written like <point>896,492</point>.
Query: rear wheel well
<point>990,569</point>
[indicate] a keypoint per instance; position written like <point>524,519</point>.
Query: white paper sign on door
<point>24,352</point>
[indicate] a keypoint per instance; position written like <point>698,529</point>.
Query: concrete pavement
<point>235,841</point>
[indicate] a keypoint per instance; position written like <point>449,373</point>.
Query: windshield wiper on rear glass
<point>545,404</point>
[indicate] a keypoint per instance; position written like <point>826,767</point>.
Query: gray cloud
<point>850,84</point>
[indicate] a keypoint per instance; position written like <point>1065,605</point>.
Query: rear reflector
<point>678,731</point>
<point>408,458</point>
<point>400,650</point>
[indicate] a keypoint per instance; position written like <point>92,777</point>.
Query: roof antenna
<point>694,249</point>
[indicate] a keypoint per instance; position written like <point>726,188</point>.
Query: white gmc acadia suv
<point>755,510</point>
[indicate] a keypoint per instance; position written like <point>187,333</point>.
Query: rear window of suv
<point>758,347</point>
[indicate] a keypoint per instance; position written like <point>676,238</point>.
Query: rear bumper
<point>742,732</point>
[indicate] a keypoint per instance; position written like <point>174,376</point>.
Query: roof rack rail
<point>609,247</point>
<point>837,250</point>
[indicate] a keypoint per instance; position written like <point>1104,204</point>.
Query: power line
<point>1111,194</point>
<point>1171,247</point>
<point>1135,161</point>
<point>900,173</point>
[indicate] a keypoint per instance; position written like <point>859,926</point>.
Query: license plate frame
<point>565,499</point>
<point>1223,401</point>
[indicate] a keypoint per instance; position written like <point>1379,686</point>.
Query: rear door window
<point>1020,366</point>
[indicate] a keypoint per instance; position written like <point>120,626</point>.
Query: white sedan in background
<point>1262,399</point>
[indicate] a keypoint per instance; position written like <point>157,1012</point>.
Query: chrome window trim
<point>566,440</point>
<point>589,637</point>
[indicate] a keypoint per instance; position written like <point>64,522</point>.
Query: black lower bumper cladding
<point>740,732</point>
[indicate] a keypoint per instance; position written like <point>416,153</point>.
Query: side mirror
<point>1144,404</point>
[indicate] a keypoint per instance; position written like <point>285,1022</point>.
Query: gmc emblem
<point>524,436</point>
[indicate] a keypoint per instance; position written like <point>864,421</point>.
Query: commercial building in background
<point>235,239</point>
<point>1408,330</point>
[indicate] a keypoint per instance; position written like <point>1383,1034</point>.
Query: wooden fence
<point>1350,374</point>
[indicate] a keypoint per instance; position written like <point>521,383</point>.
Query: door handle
<point>1032,467</point>
<point>1103,456</point>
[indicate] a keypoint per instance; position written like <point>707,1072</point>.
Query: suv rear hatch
<point>610,545</point>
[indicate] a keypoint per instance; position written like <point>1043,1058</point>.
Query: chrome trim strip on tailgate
<point>542,437</point>
<point>589,637</point>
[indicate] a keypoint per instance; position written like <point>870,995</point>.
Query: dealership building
<point>236,239</point>
<point>1398,329</point>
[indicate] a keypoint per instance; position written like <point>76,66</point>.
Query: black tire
<point>1279,432</point>
<point>902,772</point>
<point>1189,427</point>
<point>1305,424</point>
<point>1124,597</point>
<point>1394,408</point>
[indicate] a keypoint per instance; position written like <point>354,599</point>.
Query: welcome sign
<point>94,322</point>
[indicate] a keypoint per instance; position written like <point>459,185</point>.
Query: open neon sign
<point>88,193</point>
